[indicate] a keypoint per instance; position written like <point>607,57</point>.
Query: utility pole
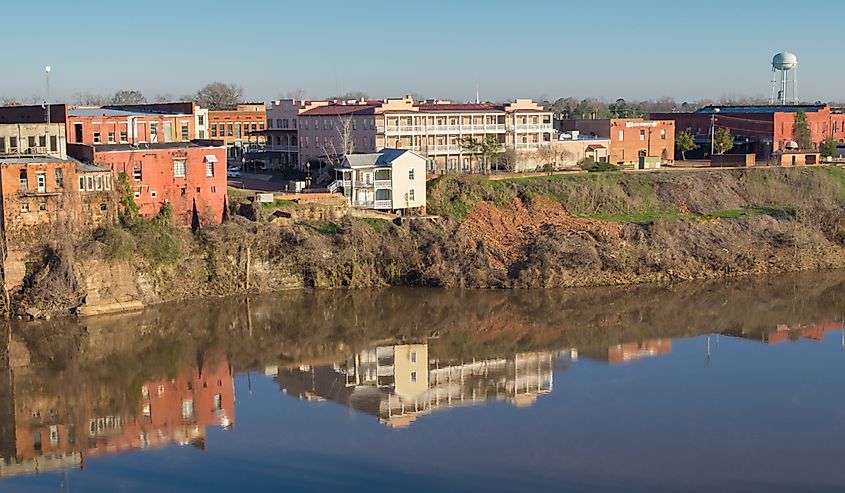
<point>47,106</point>
<point>713,132</point>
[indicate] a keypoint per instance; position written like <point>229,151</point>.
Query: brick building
<point>37,194</point>
<point>190,176</point>
<point>630,138</point>
<point>133,124</point>
<point>63,426</point>
<point>239,129</point>
<point>760,130</point>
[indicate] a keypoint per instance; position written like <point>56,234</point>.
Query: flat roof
<point>151,146</point>
<point>91,112</point>
<point>762,108</point>
<point>33,159</point>
<point>90,168</point>
<point>31,114</point>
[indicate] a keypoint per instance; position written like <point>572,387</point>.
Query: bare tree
<point>356,95</point>
<point>9,102</point>
<point>167,97</point>
<point>553,156</point>
<point>509,159</point>
<point>335,150</point>
<point>219,96</point>
<point>297,93</point>
<point>130,96</point>
<point>90,99</point>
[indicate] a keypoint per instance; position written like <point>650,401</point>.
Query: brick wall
<point>153,177</point>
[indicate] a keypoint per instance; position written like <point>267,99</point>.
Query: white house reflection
<point>399,382</point>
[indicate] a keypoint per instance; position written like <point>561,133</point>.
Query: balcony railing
<point>383,183</point>
<point>444,129</point>
<point>373,204</point>
<point>441,149</point>
<point>270,147</point>
<point>535,127</point>
<point>364,184</point>
<point>527,146</point>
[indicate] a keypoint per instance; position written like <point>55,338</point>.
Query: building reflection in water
<point>785,332</point>
<point>49,431</point>
<point>400,382</point>
<point>631,351</point>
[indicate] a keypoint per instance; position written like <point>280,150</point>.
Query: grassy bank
<point>556,231</point>
<point>648,197</point>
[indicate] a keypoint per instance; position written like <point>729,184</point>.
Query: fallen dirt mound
<point>510,230</point>
<point>701,193</point>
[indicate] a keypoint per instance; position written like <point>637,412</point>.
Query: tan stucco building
<point>325,131</point>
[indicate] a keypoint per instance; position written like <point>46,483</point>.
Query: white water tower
<point>784,78</point>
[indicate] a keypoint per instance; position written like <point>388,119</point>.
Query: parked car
<point>233,173</point>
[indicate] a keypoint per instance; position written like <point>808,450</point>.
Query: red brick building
<point>630,138</point>
<point>62,428</point>
<point>190,176</point>
<point>132,124</point>
<point>760,130</point>
<point>39,193</point>
<point>235,128</point>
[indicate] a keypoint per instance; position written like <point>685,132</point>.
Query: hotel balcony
<point>527,146</point>
<point>532,127</point>
<point>441,149</point>
<point>443,129</point>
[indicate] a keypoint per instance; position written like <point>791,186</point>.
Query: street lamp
<point>308,177</point>
<point>47,70</point>
<point>713,131</point>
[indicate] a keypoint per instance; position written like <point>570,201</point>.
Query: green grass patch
<point>324,227</point>
<point>654,216</point>
<point>645,217</point>
<point>277,203</point>
<point>379,225</point>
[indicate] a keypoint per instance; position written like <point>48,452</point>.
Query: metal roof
<point>792,108</point>
<point>32,159</point>
<point>383,158</point>
<point>90,168</point>
<point>149,146</point>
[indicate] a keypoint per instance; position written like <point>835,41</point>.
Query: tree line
<point>214,96</point>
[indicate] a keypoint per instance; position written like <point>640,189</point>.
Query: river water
<point>718,386</point>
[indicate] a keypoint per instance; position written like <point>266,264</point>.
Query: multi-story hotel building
<point>325,131</point>
<point>438,129</point>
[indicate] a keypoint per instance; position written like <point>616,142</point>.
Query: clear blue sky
<point>437,48</point>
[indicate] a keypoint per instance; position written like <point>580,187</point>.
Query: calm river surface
<point>719,386</point>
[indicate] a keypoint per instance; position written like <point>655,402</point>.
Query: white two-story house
<point>388,180</point>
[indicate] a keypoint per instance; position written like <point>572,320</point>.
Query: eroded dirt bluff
<point>559,231</point>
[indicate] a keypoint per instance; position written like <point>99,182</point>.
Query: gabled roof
<point>341,109</point>
<point>361,160</point>
<point>460,107</point>
<point>383,158</point>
